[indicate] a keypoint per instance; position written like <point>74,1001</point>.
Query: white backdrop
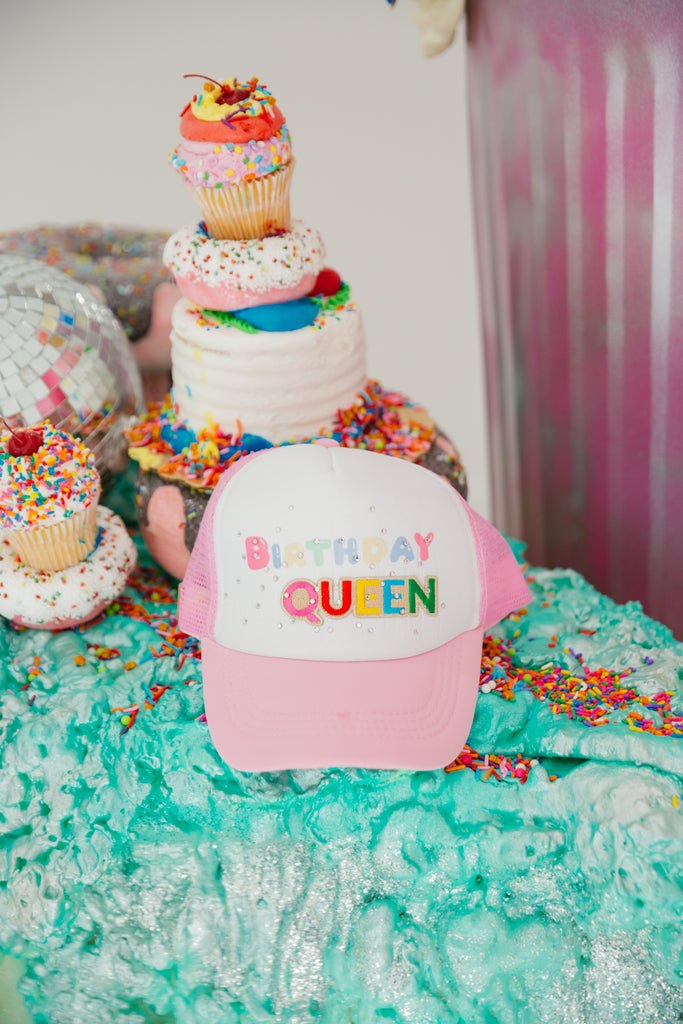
<point>91,94</point>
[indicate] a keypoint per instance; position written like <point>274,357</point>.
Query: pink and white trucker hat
<point>341,597</point>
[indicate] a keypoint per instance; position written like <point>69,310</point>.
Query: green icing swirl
<point>230,320</point>
<point>330,302</point>
<point>326,303</point>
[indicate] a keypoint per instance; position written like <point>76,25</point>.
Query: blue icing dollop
<point>248,443</point>
<point>280,316</point>
<point>178,436</point>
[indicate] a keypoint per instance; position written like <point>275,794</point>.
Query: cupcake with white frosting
<point>49,496</point>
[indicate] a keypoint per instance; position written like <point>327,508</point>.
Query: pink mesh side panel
<point>196,603</point>
<point>198,596</point>
<point>503,588</point>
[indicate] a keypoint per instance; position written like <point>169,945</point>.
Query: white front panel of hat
<point>330,554</point>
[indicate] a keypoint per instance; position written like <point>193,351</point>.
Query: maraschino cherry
<point>23,442</point>
<point>328,282</point>
<point>229,95</point>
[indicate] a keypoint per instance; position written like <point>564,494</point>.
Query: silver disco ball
<point>64,357</point>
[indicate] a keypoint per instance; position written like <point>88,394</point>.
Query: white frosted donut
<point>59,600</point>
<point>226,275</point>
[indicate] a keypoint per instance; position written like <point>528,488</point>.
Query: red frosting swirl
<point>242,129</point>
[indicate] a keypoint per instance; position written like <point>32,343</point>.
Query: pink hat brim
<point>271,714</point>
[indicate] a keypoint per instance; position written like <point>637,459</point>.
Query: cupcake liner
<point>59,545</point>
<point>251,209</point>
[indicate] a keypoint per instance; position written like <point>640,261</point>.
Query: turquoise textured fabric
<point>142,880</point>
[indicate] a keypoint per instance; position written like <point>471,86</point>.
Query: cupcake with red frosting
<point>236,158</point>
<point>49,496</point>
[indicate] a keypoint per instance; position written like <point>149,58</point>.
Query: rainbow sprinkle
<point>385,421</point>
<point>379,420</point>
<point>154,588</point>
<point>128,715</point>
<point>57,481</point>
<point>513,768</point>
<point>591,696</point>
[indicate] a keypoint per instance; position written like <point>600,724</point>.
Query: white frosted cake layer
<point>280,385</point>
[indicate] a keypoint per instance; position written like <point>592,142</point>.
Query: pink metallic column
<point>577,136</point>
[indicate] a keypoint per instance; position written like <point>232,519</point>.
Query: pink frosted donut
<point>62,599</point>
<point>225,275</point>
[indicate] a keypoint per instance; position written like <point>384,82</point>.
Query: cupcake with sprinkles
<point>236,158</point>
<point>49,496</point>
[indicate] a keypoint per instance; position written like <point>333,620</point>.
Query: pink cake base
<point>164,534</point>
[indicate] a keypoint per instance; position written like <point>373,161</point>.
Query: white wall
<point>91,93</point>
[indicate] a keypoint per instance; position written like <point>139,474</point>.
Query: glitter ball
<point>64,357</point>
